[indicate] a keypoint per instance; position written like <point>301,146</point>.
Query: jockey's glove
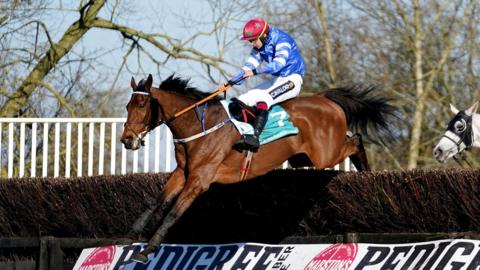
<point>237,79</point>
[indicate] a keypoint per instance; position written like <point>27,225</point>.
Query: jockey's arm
<point>250,65</point>
<point>282,51</point>
<point>253,62</point>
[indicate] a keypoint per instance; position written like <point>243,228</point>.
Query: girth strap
<point>201,134</point>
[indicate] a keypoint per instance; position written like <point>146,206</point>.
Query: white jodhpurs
<point>274,91</point>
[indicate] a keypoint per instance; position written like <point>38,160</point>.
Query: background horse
<point>323,121</point>
<point>462,132</point>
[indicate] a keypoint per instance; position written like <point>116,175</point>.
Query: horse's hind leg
<point>172,188</point>
<point>359,159</point>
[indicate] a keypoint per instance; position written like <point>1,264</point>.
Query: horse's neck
<point>186,124</point>
<point>170,103</point>
<point>476,129</point>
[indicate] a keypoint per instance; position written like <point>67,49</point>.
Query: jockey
<point>274,52</point>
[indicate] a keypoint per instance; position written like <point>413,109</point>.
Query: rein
<point>222,89</point>
<point>139,137</point>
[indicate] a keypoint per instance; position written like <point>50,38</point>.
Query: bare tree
<point>47,58</point>
<point>417,42</point>
<point>419,52</point>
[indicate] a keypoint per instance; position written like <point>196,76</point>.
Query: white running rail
<point>41,147</point>
<point>33,147</point>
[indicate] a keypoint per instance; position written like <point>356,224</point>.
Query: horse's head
<point>458,136</point>
<point>142,114</point>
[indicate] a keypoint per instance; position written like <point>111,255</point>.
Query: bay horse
<point>462,133</point>
<point>323,121</point>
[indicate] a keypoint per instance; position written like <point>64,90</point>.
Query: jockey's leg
<point>264,96</point>
<point>260,120</point>
<point>252,142</point>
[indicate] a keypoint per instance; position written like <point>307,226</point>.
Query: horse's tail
<point>366,111</point>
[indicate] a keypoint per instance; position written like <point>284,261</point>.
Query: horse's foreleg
<point>168,196</point>
<point>191,191</point>
<point>172,188</point>
<point>359,159</point>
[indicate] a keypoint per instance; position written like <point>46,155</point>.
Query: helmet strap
<point>262,37</point>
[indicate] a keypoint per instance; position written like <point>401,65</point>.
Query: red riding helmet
<point>254,28</point>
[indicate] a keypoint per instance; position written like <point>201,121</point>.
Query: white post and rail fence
<point>66,147</point>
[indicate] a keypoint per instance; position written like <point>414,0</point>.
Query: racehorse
<point>462,133</point>
<point>323,121</point>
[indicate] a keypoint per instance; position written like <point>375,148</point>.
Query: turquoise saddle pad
<point>278,125</point>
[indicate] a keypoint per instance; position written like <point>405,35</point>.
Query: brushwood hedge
<point>266,209</point>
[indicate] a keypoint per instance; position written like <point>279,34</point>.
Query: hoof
<point>142,257</point>
<point>139,257</point>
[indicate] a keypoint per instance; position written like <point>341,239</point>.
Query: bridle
<point>465,136</point>
<point>140,137</point>
<point>152,125</point>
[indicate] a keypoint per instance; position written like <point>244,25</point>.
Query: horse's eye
<point>460,126</point>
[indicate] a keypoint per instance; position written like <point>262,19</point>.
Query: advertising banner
<point>454,254</point>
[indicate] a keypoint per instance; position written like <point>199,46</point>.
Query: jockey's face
<point>257,43</point>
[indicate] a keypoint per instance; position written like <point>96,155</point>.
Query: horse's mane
<point>181,87</point>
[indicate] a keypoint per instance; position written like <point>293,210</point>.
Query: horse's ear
<point>472,109</point>
<point>133,84</point>
<point>453,109</point>
<point>149,82</point>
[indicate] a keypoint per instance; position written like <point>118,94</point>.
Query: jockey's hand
<point>237,78</point>
<point>223,87</point>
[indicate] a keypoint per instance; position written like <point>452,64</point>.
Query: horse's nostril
<point>125,140</point>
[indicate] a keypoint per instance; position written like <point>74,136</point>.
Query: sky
<point>179,19</point>
<point>158,17</point>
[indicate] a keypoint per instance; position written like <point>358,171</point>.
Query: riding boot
<point>252,142</point>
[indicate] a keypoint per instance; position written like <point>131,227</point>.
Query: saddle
<point>278,123</point>
<point>241,111</point>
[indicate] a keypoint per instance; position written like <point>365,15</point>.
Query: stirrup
<point>247,142</point>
